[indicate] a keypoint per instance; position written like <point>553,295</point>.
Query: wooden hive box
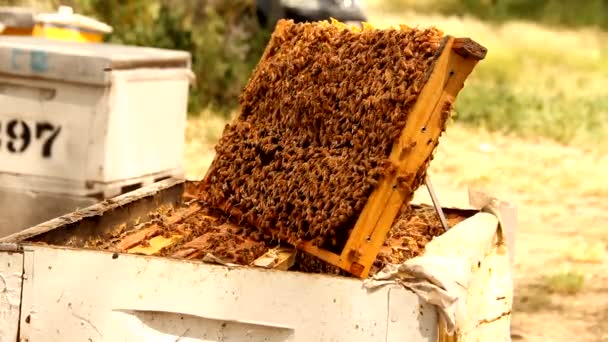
<point>54,283</point>
<point>90,119</point>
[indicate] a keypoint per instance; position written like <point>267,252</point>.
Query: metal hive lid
<point>18,17</point>
<point>88,63</point>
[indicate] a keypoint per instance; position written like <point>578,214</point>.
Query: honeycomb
<point>318,119</point>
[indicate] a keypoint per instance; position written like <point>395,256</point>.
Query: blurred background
<point>530,126</point>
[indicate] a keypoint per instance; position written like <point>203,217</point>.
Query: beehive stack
<point>318,121</point>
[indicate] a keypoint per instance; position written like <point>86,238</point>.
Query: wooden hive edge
<point>468,48</point>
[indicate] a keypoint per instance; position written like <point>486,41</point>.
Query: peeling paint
<point>11,280</point>
<point>10,289</point>
<point>490,320</point>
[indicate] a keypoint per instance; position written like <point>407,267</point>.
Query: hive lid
<point>17,17</point>
<point>80,63</point>
<point>65,17</point>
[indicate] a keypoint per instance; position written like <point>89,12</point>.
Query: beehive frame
<point>410,153</point>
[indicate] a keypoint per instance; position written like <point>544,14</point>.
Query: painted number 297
<point>17,136</point>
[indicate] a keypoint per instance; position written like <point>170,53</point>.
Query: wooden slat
<point>186,253</point>
<point>132,241</point>
<point>326,256</point>
<point>183,214</point>
<point>443,332</point>
<point>156,244</point>
<point>137,237</point>
<point>193,248</point>
<point>449,74</point>
<point>416,143</point>
<point>280,258</point>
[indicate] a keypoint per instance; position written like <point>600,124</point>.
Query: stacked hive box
<point>85,120</point>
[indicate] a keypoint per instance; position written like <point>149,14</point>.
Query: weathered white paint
<point>120,114</point>
<point>466,273</point>
<point>80,295</point>
<point>489,300</point>
<point>11,272</point>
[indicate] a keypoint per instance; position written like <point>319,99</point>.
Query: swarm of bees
<point>318,119</point>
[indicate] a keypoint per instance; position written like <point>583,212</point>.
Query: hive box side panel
<point>147,120</point>
<point>80,295</point>
<point>45,128</point>
<point>21,209</point>
<point>11,279</point>
<point>103,219</point>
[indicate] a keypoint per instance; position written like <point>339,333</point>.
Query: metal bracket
<point>436,204</point>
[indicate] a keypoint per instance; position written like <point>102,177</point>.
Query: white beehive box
<point>90,119</point>
<point>78,295</point>
<point>57,293</point>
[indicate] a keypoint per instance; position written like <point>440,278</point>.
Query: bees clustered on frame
<point>413,228</point>
<point>319,117</point>
<point>210,231</point>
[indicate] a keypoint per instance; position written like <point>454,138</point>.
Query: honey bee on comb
<point>319,117</point>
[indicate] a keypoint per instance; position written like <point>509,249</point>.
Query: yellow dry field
<point>561,191</point>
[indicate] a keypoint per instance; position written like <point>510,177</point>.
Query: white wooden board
<point>79,295</point>
<point>146,127</point>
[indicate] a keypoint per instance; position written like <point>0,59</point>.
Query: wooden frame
<point>418,139</point>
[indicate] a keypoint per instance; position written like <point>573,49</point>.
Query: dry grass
<point>534,81</point>
<point>202,133</point>
<point>567,283</point>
